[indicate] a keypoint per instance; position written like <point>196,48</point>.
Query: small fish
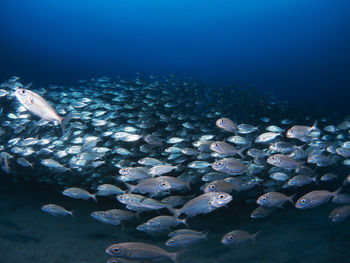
<point>315,198</point>
<point>219,186</point>
<point>300,132</point>
<point>267,137</point>
<point>237,236</point>
<point>328,177</point>
<point>161,169</point>
<point>108,189</point>
<point>166,221</point>
<point>227,125</point>
<point>301,180</point>
<point>226,149</point>
<point>283,161</point>
<point>23,162</point>
<point>141,251</point>
<point>204,204</point>
<point>52,164</point>
<point>274,199</point>
<point>151,186</point>
<point>78,193</point>
<point>105,218</point>
<point>185,231</point>
<point>56,210</point>
<point>341,199</point>
<point>339,214</point>
<point>184,240</point>
<point>262,212</point>
<point>229,166</point>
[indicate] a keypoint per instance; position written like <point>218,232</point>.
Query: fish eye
<point>303,201</point>
<point>219,163</point>
<point>116,249</point>
<point>230,237</point>
<point>212,186</point>
<point>221,196</point>
<point>22,91</point>
<point>263,198</point>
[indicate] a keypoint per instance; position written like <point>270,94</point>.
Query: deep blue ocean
<point>173,68</point>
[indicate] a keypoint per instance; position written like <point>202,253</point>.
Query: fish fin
<point>137,214</point>
<point>336,192</point>
<point>290,198</point>
<point>94,196</point>
<point>184,221</point>
<point>240,152</point>
<point>130,187</point>
<point>176,256</point>
<point>188,185</point>
<point>204,234</point>
<point>72,213</point>
<point>175,212</point>
<point>253,237</point>
<point>64,121</point>
<point>314,126</point>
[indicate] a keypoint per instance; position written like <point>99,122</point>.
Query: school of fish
<point>175,146</point>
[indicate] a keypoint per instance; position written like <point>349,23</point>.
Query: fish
<point>226,149</point>
<point>78,193</point>
<point>315,198</point>
<point>230,166</point>
<point>227,125</point>
<point>141,251</point>
<point>283,161</point>
<point>56,210</point>
<point>185,231</point>
<point>166,221</point>
<point>262,212</point>
<point>339,214</point>
<point>184,240</point>
<point>39,106</point>
<point>108,189</point>
<point>274,199</point>
<point>237,237</point>
<point>152,186</point>
<point>203,204</point>
<point>219,186</point>
<point>300,132</point>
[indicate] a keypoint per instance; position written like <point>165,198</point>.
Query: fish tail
<point>176,256</point>
<point>336,192</point>
<point>290,198</point>
<point>240,152</point>
<point>175,212</point>
<point>253,237</point>
<point>204,235</point>
<point>64,121</point>
<point>94,196</point>
<point>188,185</point>
<point>130,187</point>
<point>184,221</point>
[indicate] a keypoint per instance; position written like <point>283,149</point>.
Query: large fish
<point>39,106</point>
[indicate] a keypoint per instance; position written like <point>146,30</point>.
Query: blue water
<point>298,48</point>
